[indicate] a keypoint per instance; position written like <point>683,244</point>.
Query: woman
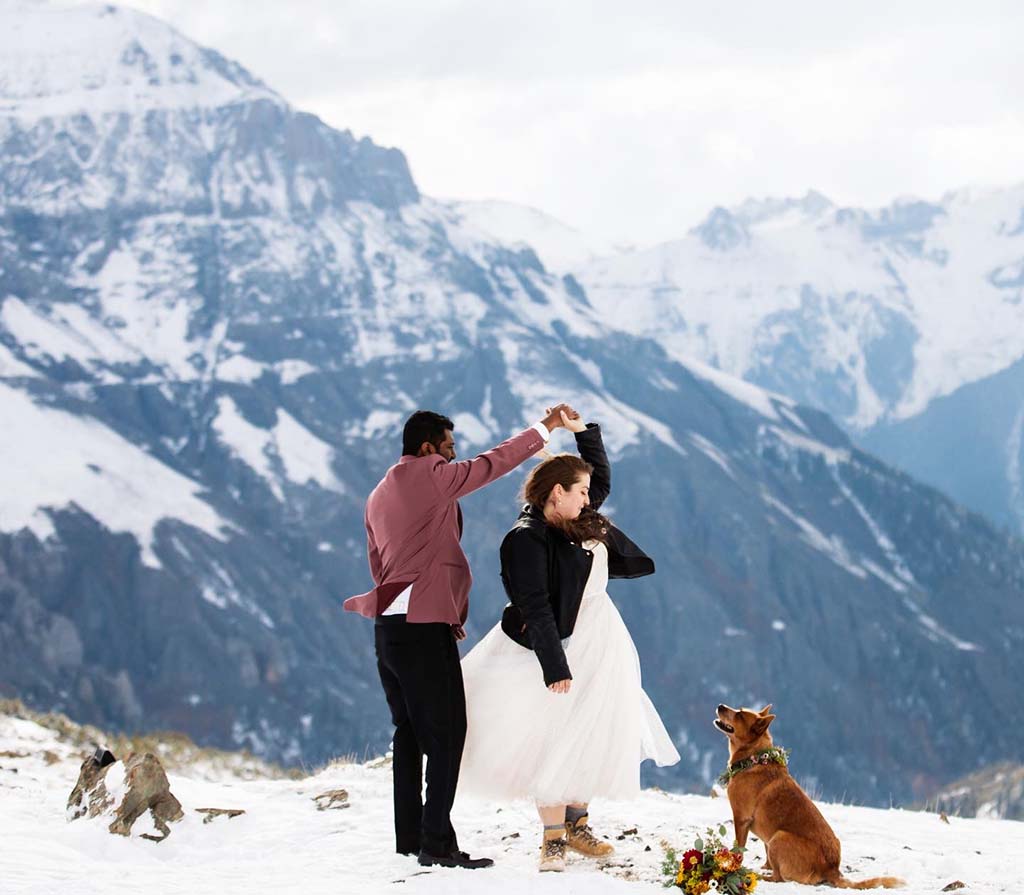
<point>568,721</point>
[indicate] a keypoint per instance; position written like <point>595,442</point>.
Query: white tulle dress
<point>525,742</point>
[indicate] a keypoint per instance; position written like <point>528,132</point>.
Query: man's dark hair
<point>424,425</point>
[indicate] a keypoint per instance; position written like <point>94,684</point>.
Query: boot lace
<point>585,835</point>
<point>554,848</point>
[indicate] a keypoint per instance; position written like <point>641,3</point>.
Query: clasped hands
<point>564,416</point>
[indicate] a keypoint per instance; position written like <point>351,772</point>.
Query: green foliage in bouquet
<point>709,865</point>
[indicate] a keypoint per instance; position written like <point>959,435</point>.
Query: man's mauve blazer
<point>413,527</point>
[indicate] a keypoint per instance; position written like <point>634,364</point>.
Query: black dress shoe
<point>454,859</point>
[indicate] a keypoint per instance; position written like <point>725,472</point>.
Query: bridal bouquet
<point>709,865</point>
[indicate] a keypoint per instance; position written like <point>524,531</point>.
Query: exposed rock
<point>148,789</point>
<point>333,798</point>
<point>137,786</point>
<point>90,796</point>
<point>211,813</point>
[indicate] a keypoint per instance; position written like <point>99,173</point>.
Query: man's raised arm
<point>455,480</point>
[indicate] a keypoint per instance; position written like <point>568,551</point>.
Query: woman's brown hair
<point>565,470</point>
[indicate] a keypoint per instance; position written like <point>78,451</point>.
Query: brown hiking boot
<point>579,837</point>
<point>552,854</point>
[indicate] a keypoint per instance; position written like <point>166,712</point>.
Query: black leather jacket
<point>544,573</point>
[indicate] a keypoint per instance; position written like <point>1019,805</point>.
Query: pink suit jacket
<point>413,527</point>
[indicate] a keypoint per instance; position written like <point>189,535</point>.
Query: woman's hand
<point>560,686</point>
<point>573,422</point>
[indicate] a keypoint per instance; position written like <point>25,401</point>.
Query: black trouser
<point>419,668</point>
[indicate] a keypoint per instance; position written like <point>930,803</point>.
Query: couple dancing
<point>552,709</point>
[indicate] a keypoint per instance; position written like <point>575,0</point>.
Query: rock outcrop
<point>125,792</point>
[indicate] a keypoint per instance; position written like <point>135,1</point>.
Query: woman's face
<point>570,503</point>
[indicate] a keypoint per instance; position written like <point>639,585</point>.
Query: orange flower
<point>728,860</point>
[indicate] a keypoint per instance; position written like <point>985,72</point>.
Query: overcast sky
<point>632,119</point>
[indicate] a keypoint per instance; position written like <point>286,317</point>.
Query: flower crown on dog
<point>774,755</point>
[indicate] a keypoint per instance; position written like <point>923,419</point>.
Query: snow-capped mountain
<point>869,315</point>
<point>88,92</point>
<point>872,316</point>
<point>214,317</point>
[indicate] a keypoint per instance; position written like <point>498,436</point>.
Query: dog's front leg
<point>742,827</point>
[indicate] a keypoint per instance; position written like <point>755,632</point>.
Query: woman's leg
<point>551,815</point>
<point>574,812</point>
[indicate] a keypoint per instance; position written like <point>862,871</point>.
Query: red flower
<point>692,858</point>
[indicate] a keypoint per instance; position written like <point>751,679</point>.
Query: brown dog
<point>767,801</point>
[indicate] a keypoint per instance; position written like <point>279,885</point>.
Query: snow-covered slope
<point>283,843</point>
<point>89,466</point>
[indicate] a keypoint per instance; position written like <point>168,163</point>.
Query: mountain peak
<point>60,60</point>
<point>728,228</point>
<point>753,212</point>
<point>722,230</point>
<point>66,71</point>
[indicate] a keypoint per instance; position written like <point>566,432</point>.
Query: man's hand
<point>459,632</point>
<point>553,416</point>
<point>560,686</point>
<point>573,421</point>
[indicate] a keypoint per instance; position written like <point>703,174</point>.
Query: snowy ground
<point>284,844</point>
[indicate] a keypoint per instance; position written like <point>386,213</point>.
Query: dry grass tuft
<point>175,750</point>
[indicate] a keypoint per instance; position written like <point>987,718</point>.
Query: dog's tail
<point>876,882</point>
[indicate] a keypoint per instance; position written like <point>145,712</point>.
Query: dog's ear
<point>761,724</point>
<point>766,710</point>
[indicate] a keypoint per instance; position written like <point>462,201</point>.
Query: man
<point>420,602</point>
